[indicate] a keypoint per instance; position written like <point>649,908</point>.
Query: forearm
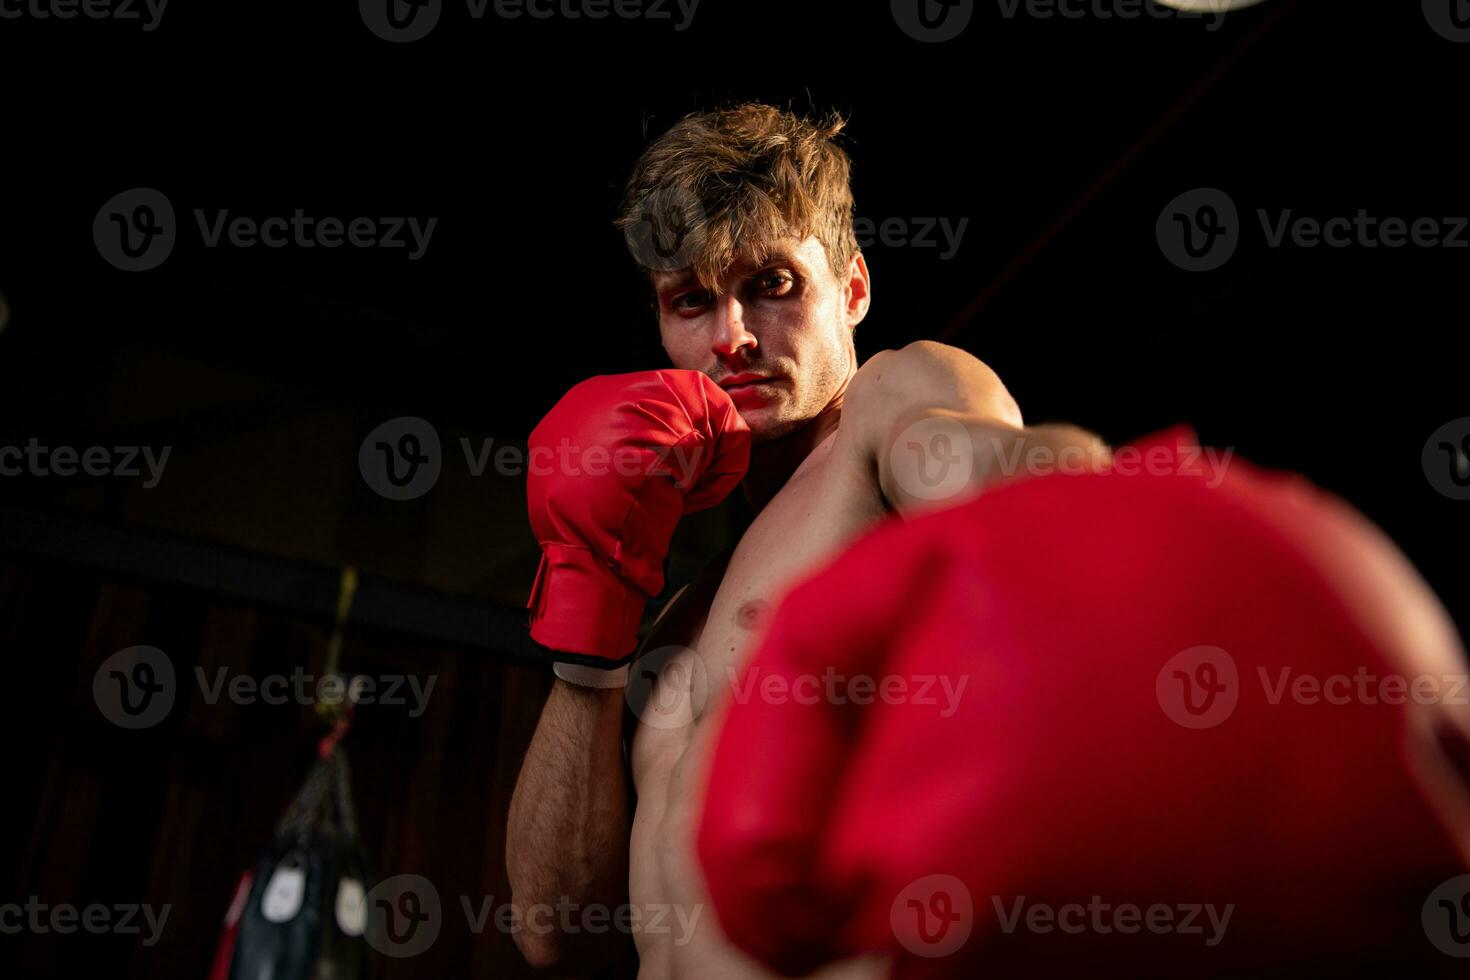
<point>570,818</point>
<point>936,458</point>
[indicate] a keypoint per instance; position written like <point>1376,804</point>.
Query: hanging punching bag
<point>304,916</point>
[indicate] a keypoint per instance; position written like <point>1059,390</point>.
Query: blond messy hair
<point>753,174</point>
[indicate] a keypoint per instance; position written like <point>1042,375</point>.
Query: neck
<point>773,462</point>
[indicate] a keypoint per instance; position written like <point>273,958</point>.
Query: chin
<point>765,428</point>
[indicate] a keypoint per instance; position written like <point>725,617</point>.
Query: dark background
<point>1061,140</point>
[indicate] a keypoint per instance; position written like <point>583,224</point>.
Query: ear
<point>857,291</point>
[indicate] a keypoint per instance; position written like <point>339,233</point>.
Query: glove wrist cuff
<point>580,606</point>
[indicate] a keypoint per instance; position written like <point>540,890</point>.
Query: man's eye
<point>773,281</point>
<point>691,301</point>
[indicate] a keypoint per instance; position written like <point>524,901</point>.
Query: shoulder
<point>899,362</point>
<point>894,386</point>
<point>925,371</point>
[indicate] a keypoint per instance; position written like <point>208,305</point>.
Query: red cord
<point>329,741</point>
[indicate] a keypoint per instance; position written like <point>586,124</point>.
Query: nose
<point>730,335</point>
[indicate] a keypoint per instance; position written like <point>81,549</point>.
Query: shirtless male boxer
<point>760,298</point>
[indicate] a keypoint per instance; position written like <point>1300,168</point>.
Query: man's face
<point>787,322</point>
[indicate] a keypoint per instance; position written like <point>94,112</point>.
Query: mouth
<point>741,382</point>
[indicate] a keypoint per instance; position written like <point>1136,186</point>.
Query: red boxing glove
<point>613,467</point>
<point>1130,690</point>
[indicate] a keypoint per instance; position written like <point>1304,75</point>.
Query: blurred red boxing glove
<point>1062,728</point>
<point>613,466</point>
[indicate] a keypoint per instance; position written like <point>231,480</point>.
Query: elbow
<point>542,952</point>
<point>552,952</point>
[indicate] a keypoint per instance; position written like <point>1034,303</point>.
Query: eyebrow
<point>686,277</point>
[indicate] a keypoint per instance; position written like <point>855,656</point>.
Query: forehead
<point>805,254</point>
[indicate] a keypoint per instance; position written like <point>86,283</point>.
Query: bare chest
<point>693,660</point>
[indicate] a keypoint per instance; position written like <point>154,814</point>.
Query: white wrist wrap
<point>591,676</point>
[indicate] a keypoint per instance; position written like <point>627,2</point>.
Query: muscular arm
<point>936,425</point>
<point>570,817</point>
